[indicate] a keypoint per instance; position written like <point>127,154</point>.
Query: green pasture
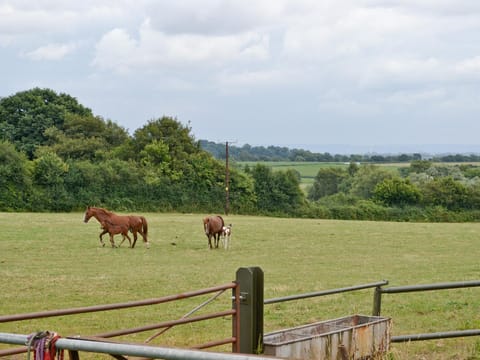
<point>55,261</point>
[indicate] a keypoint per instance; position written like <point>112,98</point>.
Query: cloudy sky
<point>370,73</point>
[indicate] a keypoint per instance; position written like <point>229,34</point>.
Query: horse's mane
<point>105,211</point>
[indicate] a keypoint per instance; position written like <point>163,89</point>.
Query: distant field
<point>308,170</point>
<point>54,261</point>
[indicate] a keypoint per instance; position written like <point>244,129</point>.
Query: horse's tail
<point>223,222</point>
<point>144,227</point>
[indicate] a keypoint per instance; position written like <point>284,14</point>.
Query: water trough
<point>350,337</point>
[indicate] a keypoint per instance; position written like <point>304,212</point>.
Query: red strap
<point>53,350</point>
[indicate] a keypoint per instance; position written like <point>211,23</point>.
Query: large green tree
<point>166,133</point>
<point>26,115</point>
<point>85,138</point>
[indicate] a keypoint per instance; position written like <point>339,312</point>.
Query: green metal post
<point>250,281</point>
<point>377,301</point>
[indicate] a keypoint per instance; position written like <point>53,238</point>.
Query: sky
<point>315,74</point>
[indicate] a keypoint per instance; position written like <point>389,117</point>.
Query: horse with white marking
<point>225,236</point>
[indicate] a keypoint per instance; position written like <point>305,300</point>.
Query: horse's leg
<point>123,239</point>
<point>209,241</point>
<point>134,238</point>
<point>101,235</point>
<point>129,240</point>
<point>111,240</point>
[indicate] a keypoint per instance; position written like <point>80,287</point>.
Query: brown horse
<point>136,224</point>
<point>213,226</point>
<point>114,229</point>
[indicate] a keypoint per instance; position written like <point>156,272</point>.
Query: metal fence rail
<point>377,305</point>
<point>153,352</point>
<point>326,292</point>
<point>117,306</point>
<point>377,302</point>
<point>436,335</point>
<point>165,325</point>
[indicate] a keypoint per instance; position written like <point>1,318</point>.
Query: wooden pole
<point>227,181</point>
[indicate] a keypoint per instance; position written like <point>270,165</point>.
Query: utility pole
<point>227,181</point>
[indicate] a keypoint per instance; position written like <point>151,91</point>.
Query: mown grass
<point>55,261</point>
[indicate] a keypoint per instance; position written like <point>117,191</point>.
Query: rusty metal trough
<point>351,337</point>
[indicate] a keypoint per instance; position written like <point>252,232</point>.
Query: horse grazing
<point>213,226</point>
<point>226,233</point>
<point>114,229</point>
<point>136,224</point>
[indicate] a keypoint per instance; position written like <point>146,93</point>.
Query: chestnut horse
<point>136,224</point>
<point>213,226</point>
<point>113,229</point>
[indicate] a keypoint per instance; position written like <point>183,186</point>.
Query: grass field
<point>55,261</point>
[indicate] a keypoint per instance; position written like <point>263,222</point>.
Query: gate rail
<point>377,305</point>
<point>325,292</point>
<point>234,312</point>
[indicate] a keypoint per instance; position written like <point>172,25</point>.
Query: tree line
<point>280,153</point>
<point>56,155</point>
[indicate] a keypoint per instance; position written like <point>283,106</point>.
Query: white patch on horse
<point>226,234</point>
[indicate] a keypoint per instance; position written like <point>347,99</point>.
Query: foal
<point>226,233</point>
<point>114,229</point>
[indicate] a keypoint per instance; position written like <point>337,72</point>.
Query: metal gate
<point>243,297</point>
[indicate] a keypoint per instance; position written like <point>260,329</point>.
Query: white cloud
<point>214,17</point>
<point>469,66</point>
<point>417,96</point>
<point>58,17</point>
<point>17,21</point>
<point>51,52</point>
<point>402,71</point>
<point>247,79</point>
<point>114,49</point>
<point>118,50</point>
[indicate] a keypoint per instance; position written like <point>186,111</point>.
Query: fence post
<point>250,281</point>
<point>377,301</point>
